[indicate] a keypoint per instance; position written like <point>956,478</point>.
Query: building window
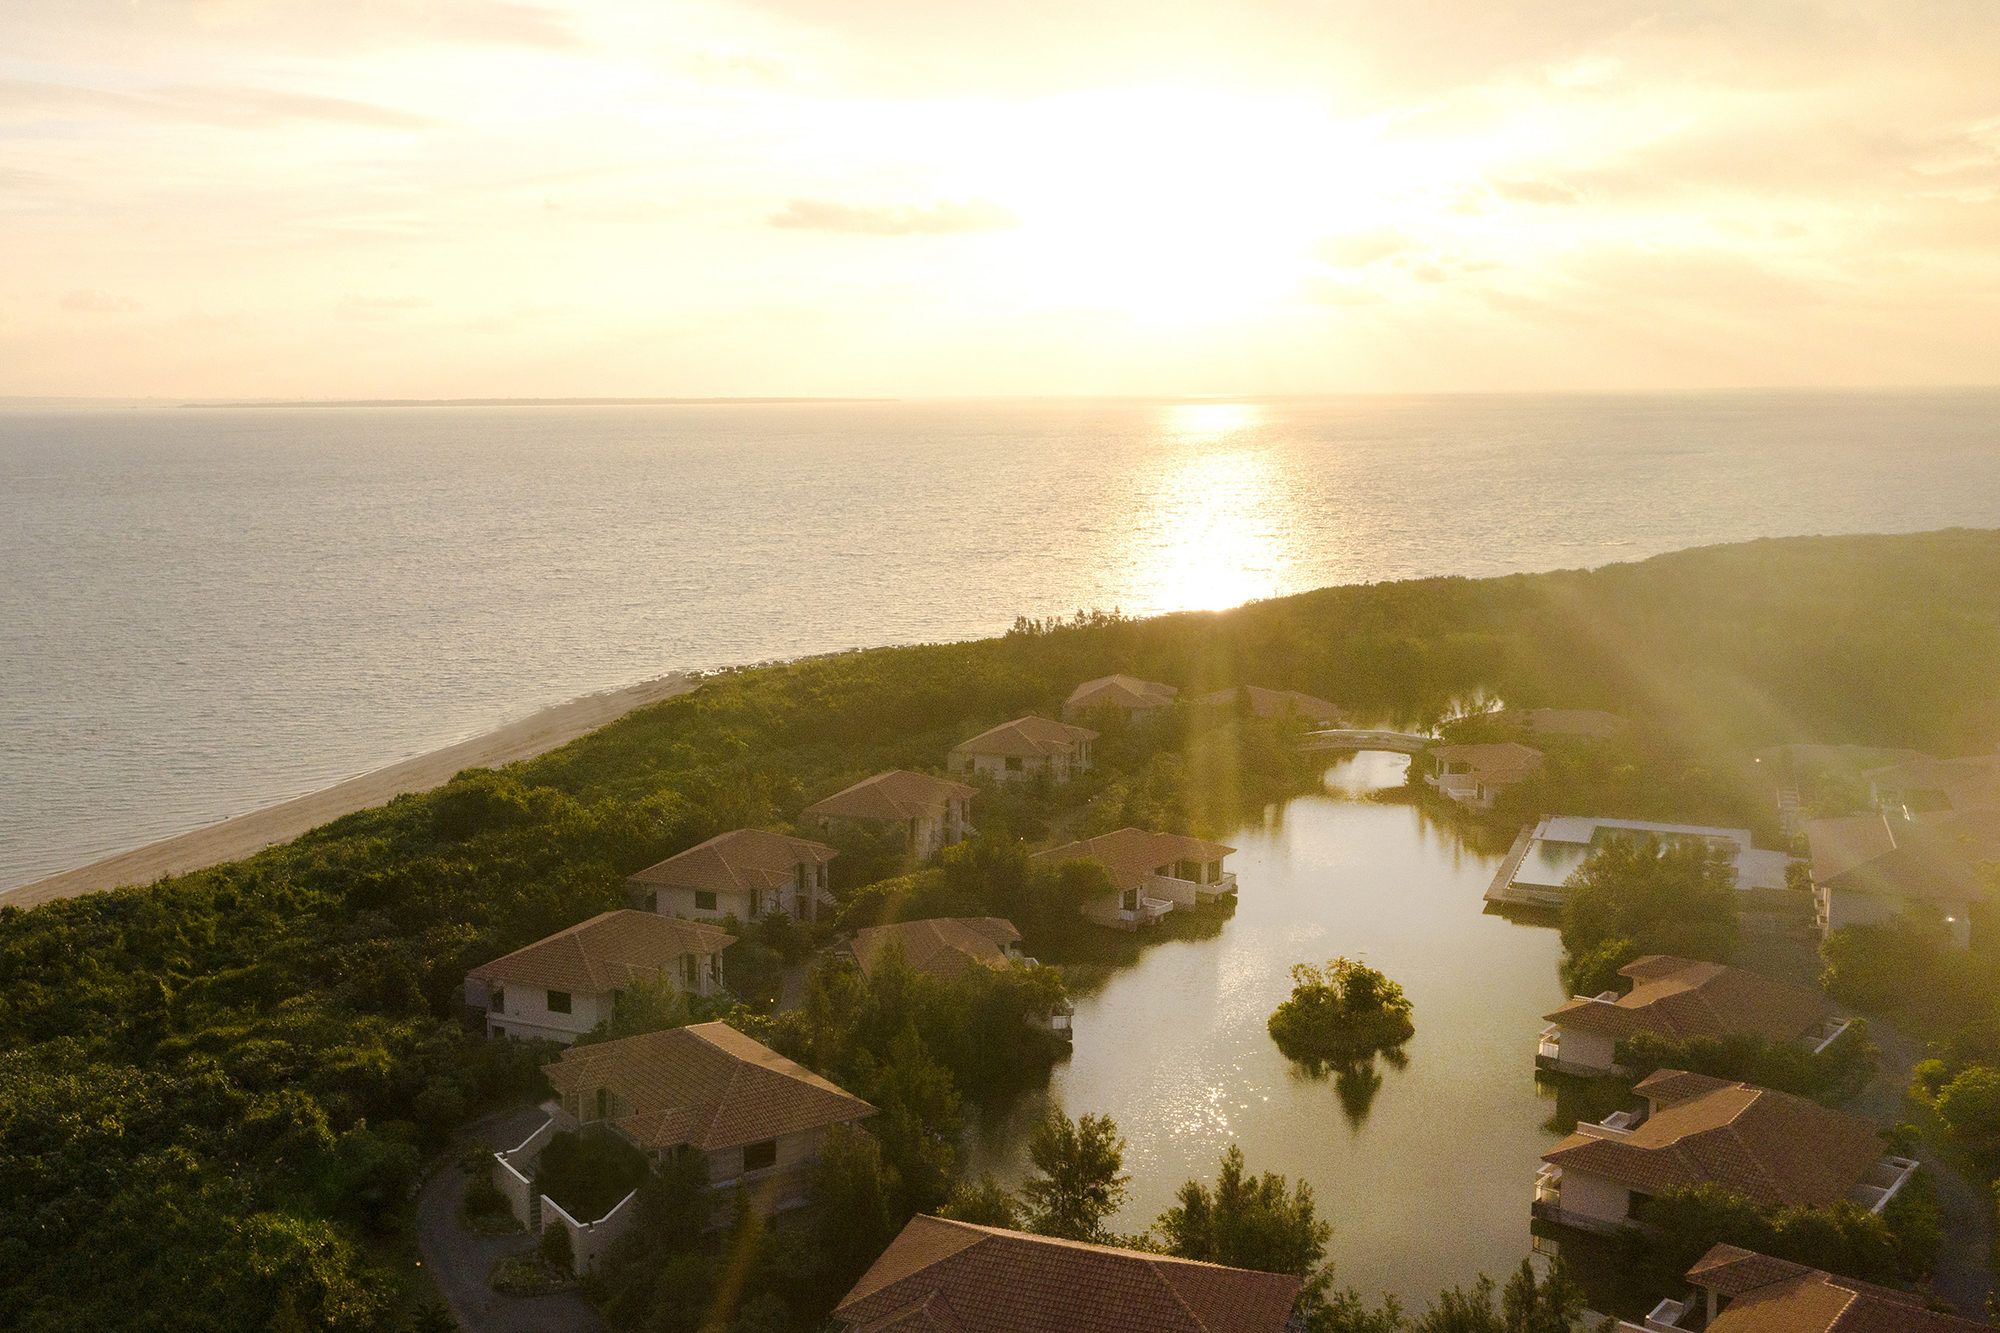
<point>757,1156</point>
<point>1013,763</point>
<point>603,1104</point>
<point>499,1002</point>
<point>1131,900</point>
<point>704,902</point>
<point>689,977</point>
<point>558,1001</point>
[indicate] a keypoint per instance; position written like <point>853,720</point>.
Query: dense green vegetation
<point>1637,896</point>
<point>1894,1245</point>
<point>1341,1014</point>
<point>216,1092</point>
<point>1833,1076</point>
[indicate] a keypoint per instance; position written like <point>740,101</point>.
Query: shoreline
<point>244,835</point>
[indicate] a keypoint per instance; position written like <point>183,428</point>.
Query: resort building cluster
<point>756,1120</point>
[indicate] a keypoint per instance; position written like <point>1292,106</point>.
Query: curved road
<point>459,1261</point>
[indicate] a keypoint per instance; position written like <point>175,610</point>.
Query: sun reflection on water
<point>1218,519</point>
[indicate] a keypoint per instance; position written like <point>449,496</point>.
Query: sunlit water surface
<point>204,611</point>
<point>1427,1181</point>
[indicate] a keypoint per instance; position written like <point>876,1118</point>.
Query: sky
<point>425,198</point>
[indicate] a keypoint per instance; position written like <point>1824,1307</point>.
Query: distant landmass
<point>517,402</point>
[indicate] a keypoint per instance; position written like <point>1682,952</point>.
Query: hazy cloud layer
<point>947,217</point>
<point>205,197</point>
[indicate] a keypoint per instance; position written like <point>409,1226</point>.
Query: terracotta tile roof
<point>1769,1295</point>
<point>1131,854</point>
<point>609,952</point>
<point>1025,738</point>
<point>1277,703</point>
<point>743,859</point>
<point>1497,764</point>
<point>1121,692</point>
<point>1935,859</point>
<point>1971,783</point>
<point>993,1281</point>
<point>1682,998</point>
<point>707,1085</point>
<point>1771,1146</point>
<point>942,946</point>
<point>896,795</point>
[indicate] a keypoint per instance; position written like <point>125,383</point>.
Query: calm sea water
<point>1427,1175</point>
<point>205,611</point>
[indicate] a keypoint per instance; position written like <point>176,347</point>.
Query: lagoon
<point>1427,1181</point>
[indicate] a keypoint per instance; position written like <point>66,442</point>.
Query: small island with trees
<point>1341,1014</point>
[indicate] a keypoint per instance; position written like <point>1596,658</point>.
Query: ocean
<point>203,611</point>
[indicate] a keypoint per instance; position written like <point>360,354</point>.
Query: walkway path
<point>1962,1276</point>
<point>459,1261</point>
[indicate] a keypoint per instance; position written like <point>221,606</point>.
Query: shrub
<point>1341,1014</point>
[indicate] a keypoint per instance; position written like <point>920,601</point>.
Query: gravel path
<point>459,1261</point>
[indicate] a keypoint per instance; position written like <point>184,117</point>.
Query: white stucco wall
<point>527,1014</point>
<point>1594,1197</point>
<point>1590,1050</point>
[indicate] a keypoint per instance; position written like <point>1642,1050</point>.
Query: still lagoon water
<point>1426,1178</point>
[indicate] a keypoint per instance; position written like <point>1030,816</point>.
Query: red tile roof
<point>896,795</point>
<point>1936,859</point>
<point>1769,1295</point>
<point>1682,998</point>
<point>943,1275</point>
<point>942,946</point>
<point>707,1085</point>
<point>1026,738</point>
<point>1131,854</point>
<point>743,859</point>
<point>609,952</point>
<point>1120,692</point>
<point>1276,703</point>
<point>1771,1146</point>
<point>1495,765</point>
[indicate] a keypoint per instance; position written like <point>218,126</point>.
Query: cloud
<point>946,217</point>
<point>22,100</point>
<point>82,302</point>
<point>378,307</point>
<point>1528,191</point>
<point>1325,290</point>
<point>1358,249</point>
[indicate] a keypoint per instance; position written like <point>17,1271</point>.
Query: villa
<point>940,1276</point>
<point>1929,786</point>
<point>949,947</point>
<point>933,812</point>
<point>1771,1147</point>
<point>1024,748</point>
<point>1275,704</point>
<point>748,874</point>
<point>1137,699</point>
<point>561,987</point>
<point>1475,775</point>
<point>1869,869</point>
<point>1153,872</point>
<point>752,1116</point>
<point>942,947</point>
<point>1679,998</point>
<point>1536,872</point>
<point>1741,1291</point>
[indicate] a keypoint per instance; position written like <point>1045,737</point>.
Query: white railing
<point>1833,1030</point>
<point>589,1240</point>
<point>1882,1183</point>
<point>1548,1184</point>
<point>1158,907</point>
<point>1614,1126</point>
<point>1667,1315</point>
<point>1550,1045</point>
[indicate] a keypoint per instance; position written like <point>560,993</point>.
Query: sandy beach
<point>243,835</point>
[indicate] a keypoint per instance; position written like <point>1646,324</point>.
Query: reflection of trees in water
<point>1356,1087</point>
<point>1355,1083</point>
<point>1608,1268</point>
<point>1581,1100</point>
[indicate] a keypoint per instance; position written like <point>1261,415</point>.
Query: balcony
<point>1882,1183</point>
<point>1147,912</point>
<point>1617,1125</point>
<point>1548,1050</point>
<point>1666,1317</point>
<point>1547,1204</point>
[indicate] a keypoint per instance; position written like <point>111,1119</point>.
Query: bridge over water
<point>1402,742</point>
